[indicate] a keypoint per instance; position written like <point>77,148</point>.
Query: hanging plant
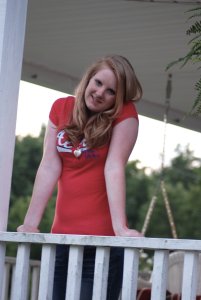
<point>193,56</point>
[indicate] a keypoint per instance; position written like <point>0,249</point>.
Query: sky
<point>33,110</point>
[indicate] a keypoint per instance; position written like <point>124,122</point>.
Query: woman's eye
<point>111,92</point>
<point>98,82</point>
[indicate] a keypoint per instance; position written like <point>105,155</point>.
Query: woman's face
<point>100,93</point>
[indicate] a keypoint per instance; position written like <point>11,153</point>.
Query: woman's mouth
<point>97,100</point>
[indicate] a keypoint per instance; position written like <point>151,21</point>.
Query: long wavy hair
<point>97,128</point>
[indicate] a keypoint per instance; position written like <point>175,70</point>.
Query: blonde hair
<point>96,129</point>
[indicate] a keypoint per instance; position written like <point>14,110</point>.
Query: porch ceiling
<point>64,37</point>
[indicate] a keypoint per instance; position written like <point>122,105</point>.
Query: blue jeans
<point>114,277</point>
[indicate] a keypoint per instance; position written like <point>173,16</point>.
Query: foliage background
<point>194,54</point>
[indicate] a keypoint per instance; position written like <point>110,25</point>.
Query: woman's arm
<point>45,181</point>
<point>123,140</point>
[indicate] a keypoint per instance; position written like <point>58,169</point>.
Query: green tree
<point>182,182</point>
<point>27,156</point>
<point>183,168</point>
<point>137,193</point>
<point>194,54</point>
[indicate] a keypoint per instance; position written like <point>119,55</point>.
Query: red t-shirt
<point>82,204</point>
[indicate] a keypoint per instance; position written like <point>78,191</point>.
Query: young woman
<point>87,144</point>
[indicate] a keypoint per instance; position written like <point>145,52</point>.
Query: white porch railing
<point>9,271</point>
<point>44,275</point>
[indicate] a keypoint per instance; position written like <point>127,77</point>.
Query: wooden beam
<point>12,32</point>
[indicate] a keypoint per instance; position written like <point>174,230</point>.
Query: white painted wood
<point>47,272</point>
<point>12,31</point>
<point>85,240</point>
<point>21,275</point>
<point>131,262</point>
<point>101,273</point>
<point>2,262</point>
<point>190,275</point>
<point>175,272</point>
<point>8,280</point>
<point>159,275</point>
<point>74,272</point>
<point>35,276</point>
<point>162,247</point>
<point>130,275</point>
<point>12,295</point>
<point>5,290</point>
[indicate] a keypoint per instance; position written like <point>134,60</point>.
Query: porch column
<point>12,32</point>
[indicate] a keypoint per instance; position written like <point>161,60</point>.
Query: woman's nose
<point>100,92</point>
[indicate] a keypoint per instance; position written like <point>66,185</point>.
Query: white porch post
<point>12,32</point>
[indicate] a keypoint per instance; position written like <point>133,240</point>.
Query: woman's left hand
<point>126,232</point>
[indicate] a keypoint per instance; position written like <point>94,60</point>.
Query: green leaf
<point>193,55</point>
<point>195,28</point>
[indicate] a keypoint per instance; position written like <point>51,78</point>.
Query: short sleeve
<point>61,110</point>
<point>53,115</point>
<point>128,111</point>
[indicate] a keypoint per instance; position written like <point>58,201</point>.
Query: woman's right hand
<point>27,228</point>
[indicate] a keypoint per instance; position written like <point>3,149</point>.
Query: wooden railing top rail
<point>145,243</point>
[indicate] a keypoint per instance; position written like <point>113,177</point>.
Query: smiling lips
<point>97,100</point>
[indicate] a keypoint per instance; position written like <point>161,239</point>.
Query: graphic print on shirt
<point>66,146</point>
<point>63,145</point>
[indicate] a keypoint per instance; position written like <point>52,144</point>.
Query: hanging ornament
<point>77,152</point>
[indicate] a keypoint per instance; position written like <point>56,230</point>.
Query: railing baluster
<point>6,281</point>
<point>46,272</point>
<point>130,275</point>
<point>12,282</point>
<point>35,274</point>
<point>101,273</point>
<point>74,273</point>
<point>190,275</point>
<point>159,276</point>
<point>21,276</point>
<point>2,262</point>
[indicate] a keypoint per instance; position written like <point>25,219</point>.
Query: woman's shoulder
<point>64,101</point>
<point>128,111</point>
<point>61,108</point>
